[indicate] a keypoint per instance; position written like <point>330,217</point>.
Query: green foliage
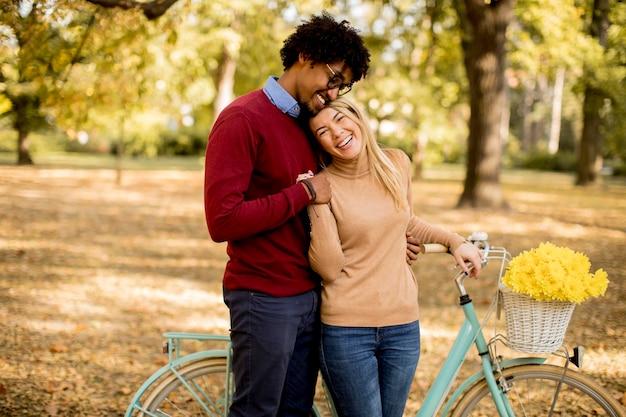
<point>542,160</point>
<point>619,169</point>
<point>186,142</point>
<point>41,142</point>
<point>614,82</point>
<point>416,91</point>
<point>152,84</point>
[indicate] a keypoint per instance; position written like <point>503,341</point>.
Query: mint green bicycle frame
<point>177,362</point>
<point>469,334</point>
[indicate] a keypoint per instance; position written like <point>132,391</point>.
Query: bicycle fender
<point>472,380</point>
<point>134,404</point>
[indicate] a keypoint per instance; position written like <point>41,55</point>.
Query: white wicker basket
<point>534,326</point>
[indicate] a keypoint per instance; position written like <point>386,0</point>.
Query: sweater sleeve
<point>325,253</point>
<point>423,231</point>
<point>236,208</point>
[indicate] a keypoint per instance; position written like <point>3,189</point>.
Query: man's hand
<point>322,188</point>
<point>412,248</point>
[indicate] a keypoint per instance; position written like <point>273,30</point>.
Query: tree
<point>589,153</point>
<point>545,43</point>
<point>484,26</point>
<point>151,9</point>
<point>40,50</point>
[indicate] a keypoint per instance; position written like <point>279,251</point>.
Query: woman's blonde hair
<point>383,169</point>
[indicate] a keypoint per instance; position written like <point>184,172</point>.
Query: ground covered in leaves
<point>93,270</point>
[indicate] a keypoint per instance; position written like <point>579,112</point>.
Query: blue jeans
<point>369,370</point>
<point>275,353</point>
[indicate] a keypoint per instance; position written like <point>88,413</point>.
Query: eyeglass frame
<point>332,82</point>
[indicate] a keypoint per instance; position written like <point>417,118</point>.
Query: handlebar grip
<point>433,248</point>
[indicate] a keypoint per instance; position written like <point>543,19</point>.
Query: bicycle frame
<point>437,398</point>
<point>176,362</point>
<point>469,334</point>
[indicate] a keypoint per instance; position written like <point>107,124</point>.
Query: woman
<point>369,310</point>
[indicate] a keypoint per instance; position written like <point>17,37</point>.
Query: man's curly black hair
<point>323,39</point>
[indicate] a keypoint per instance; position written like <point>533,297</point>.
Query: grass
<point>103,161</point>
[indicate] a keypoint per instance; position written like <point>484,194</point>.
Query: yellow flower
<point>550,272</point>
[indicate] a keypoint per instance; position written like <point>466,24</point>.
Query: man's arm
<point>235,209</point>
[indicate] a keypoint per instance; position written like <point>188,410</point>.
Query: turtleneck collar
<point>349,167</point>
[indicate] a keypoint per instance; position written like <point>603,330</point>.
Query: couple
<point>255,198</point>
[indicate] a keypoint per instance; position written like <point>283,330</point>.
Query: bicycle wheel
<point>206,378</point>
<point>538,389</point>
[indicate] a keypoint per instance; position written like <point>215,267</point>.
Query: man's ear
<point>303,58</point>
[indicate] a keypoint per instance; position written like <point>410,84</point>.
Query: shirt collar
<point>280,97</point>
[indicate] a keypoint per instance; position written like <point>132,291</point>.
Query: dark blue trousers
<point>275,353</point>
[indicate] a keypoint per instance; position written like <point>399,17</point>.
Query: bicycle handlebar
<point>433,248</point>
<point>477,238</point>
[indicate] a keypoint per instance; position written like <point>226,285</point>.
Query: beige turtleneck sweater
<point>358,246</point>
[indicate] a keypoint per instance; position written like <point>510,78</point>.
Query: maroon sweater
<point>254,154</point>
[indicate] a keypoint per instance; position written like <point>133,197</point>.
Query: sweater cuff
<point>456,241</point>
<point>302,196</point>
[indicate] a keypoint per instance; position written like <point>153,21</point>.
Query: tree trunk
<point>589,156</point>
<point>484,62</point>
<point>225,81</point>
<point>526,113</point>
<point>119,153</point>
<point>418,156</point>
<point>539,113</point>
<point>557,105</point>
<point>23,148</point>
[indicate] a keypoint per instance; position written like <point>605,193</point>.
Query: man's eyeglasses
<point>336,81</point>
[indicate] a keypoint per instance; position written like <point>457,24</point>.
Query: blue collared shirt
<point>280,97</point>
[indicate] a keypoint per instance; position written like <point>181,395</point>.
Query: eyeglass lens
<point>336,81</point>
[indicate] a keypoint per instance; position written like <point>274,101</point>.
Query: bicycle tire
<point>533,389</point>
<point>172,398</point>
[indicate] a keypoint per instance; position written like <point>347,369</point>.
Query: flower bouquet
<point>539,291</point>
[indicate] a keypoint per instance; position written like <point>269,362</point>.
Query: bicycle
<point>201,383</point>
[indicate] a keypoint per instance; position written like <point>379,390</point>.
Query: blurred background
<point>105,110</point>
<point>543,81</point>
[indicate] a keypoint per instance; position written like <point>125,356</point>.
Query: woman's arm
<point>325,253</point>
<point>462,250</point>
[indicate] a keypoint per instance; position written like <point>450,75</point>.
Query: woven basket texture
<point>534,326</point>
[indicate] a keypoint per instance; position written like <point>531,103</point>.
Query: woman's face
<point>337,134</point>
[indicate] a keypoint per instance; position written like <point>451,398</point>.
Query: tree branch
<point>151,9</point>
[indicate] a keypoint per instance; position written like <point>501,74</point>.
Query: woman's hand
<point>468,252</point>
<point>305,176</point>
<point>412,248</point>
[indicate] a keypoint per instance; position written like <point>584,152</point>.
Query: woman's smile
<point>345,143</point>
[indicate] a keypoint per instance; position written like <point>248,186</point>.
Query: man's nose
<point>332,93</point>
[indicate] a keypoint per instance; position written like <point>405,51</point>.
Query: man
<point>256,150</point>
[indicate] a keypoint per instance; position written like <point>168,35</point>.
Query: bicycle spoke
<point>542,390</point>
<point>199,391</point>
